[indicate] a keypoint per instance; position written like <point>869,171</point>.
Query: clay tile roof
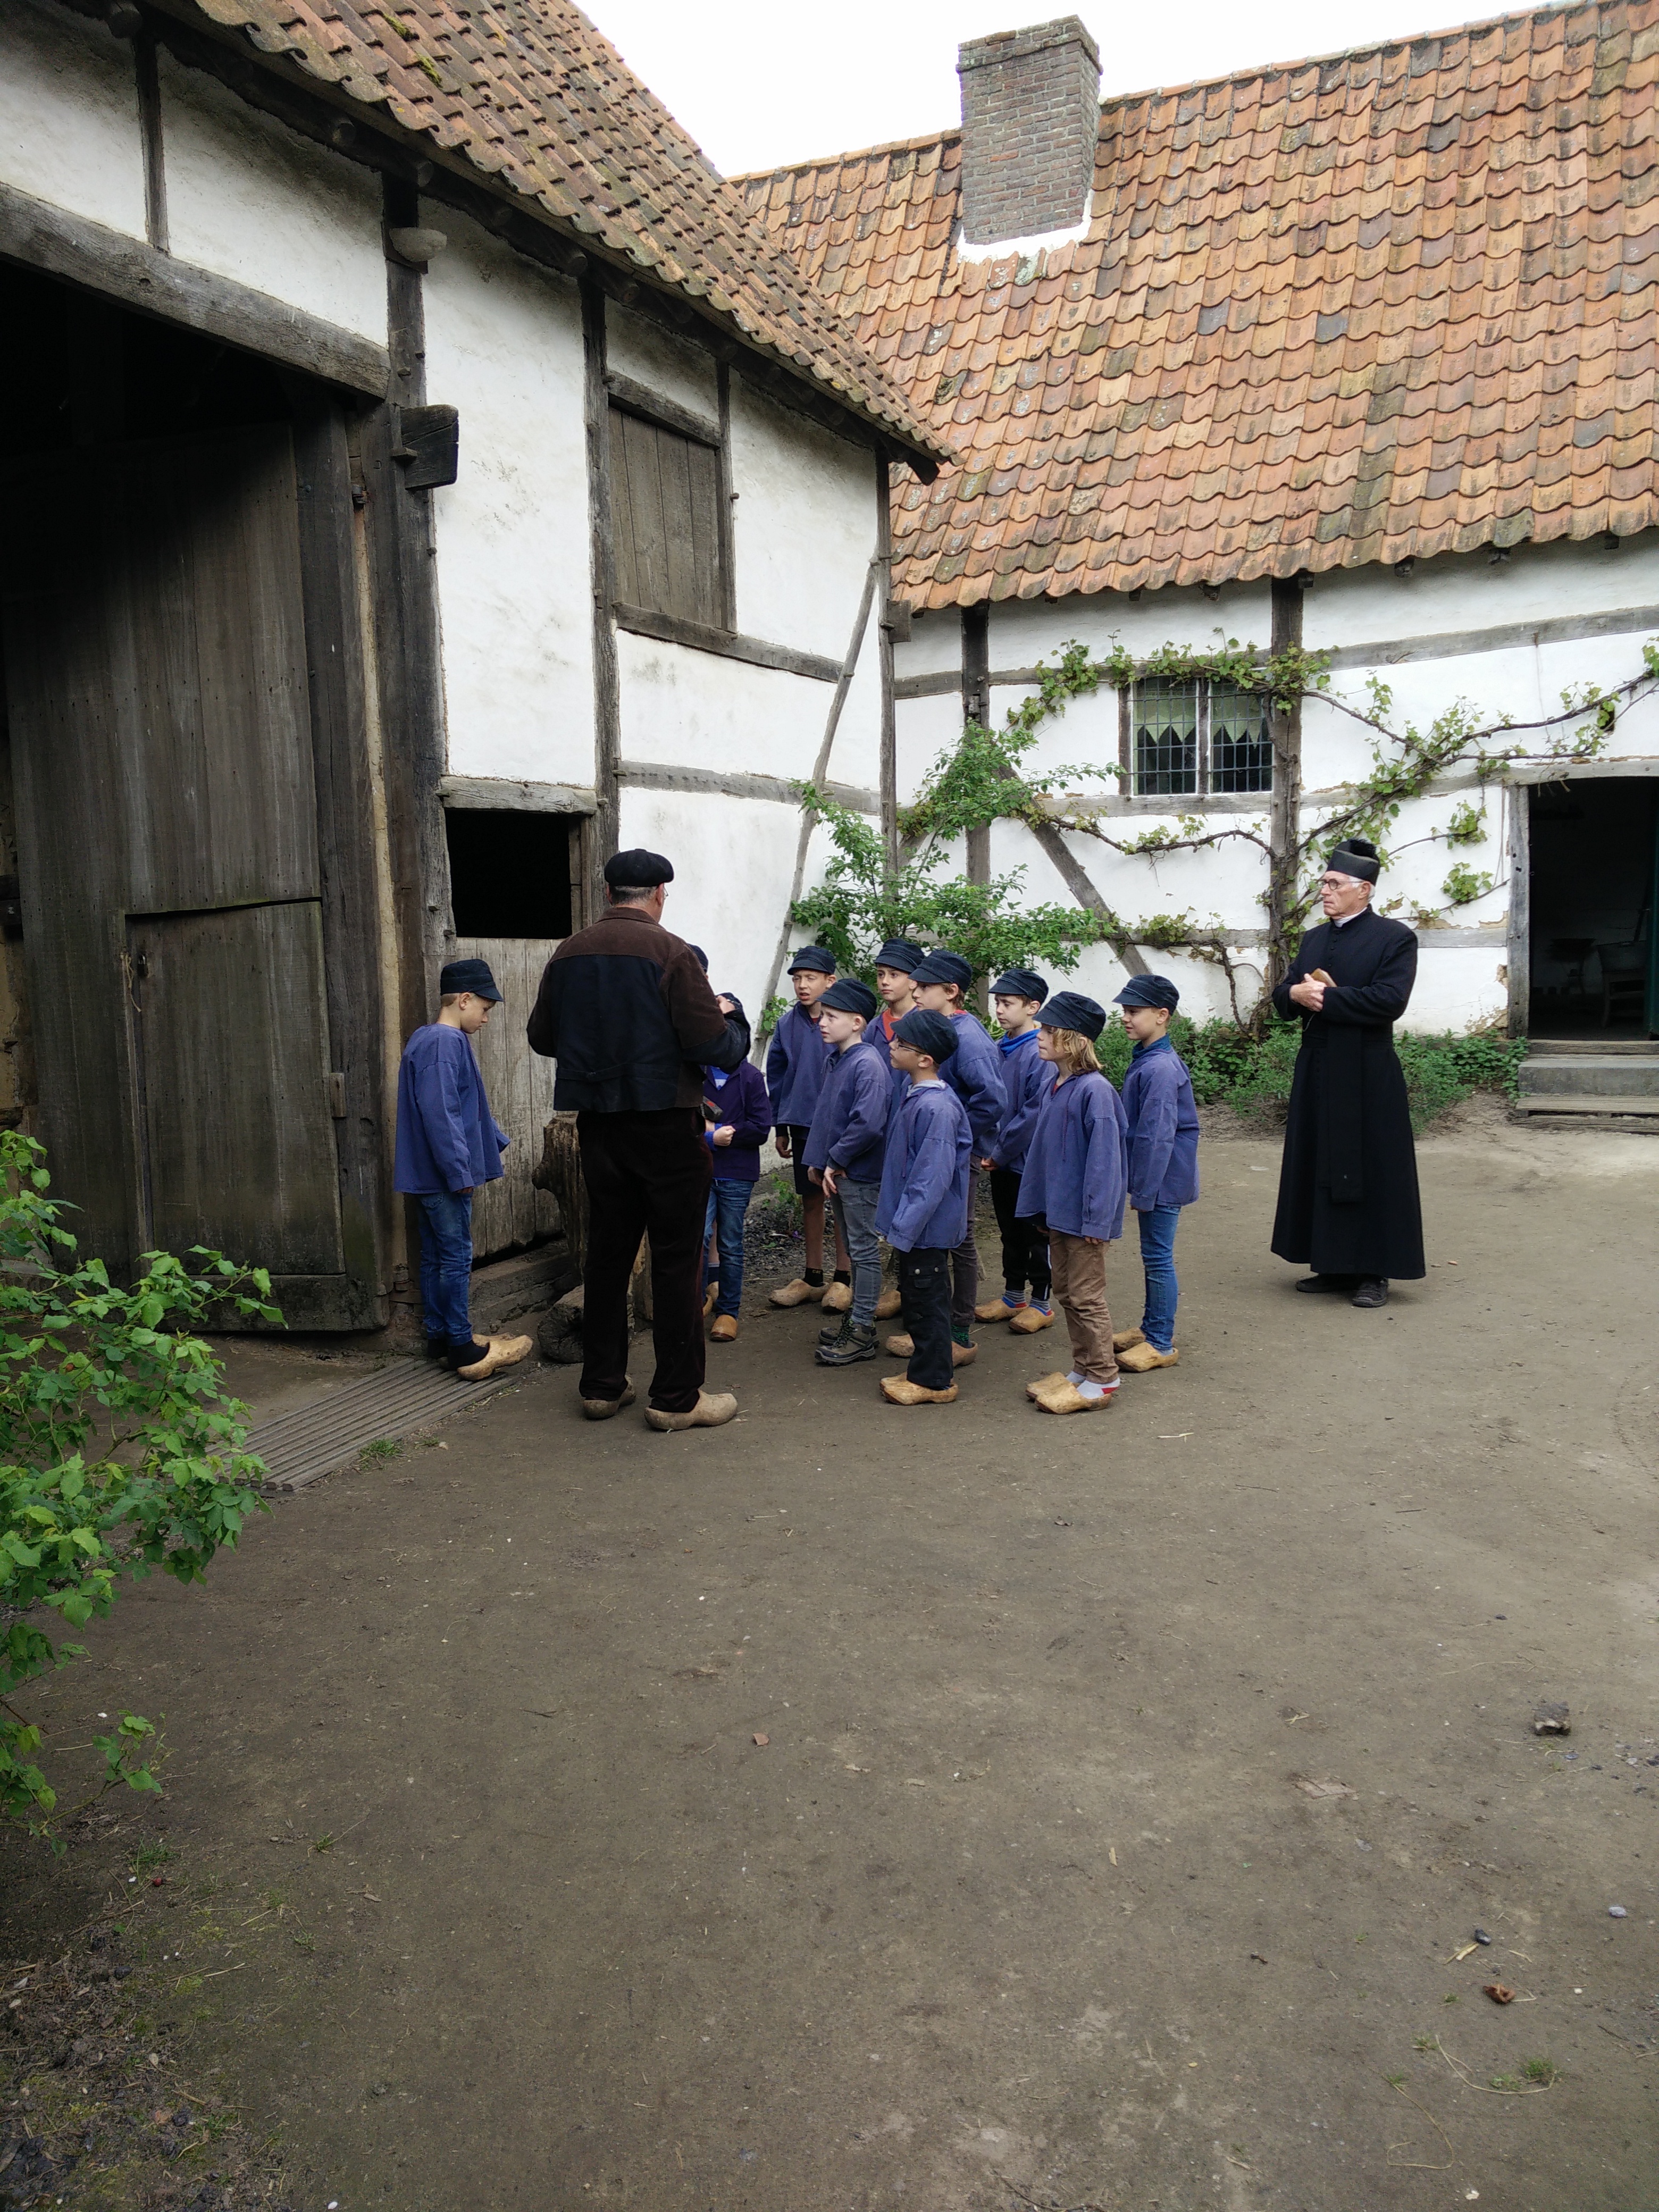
<point>1378,305</point>
<point>528,92</point>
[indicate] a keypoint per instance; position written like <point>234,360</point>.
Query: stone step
<point>1590,1075</point>
<point>1544,1101</point>
<point>1549,1047</point>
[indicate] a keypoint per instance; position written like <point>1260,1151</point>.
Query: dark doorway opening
<point>510,873</point>
<point>1592,843</point>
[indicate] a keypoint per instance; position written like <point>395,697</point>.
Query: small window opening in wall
<point>1198,737</point>
<point>510,873</point>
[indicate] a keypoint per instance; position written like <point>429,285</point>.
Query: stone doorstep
<point>1604,1104</point>
<point>528,1283</point>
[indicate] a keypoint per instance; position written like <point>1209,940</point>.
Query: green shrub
<point>1232,1066</point>
<point>119,1453</point>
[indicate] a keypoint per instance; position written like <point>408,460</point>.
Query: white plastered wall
<point>504,346</point>
<point>733,860</point>
<point>253,201</point>
<point>69,115</point>
<point>669,365</point>
<point>683,709</point>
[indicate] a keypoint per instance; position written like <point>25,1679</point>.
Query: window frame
<point>665,415</point>
<point>1203,788</point>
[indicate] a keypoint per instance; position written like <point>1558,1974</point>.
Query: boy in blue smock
<point>1074,1184</point>
<point>1162,1146</point>
<point>974,1072</point>
<point>739,1118</point>
<point>448,1142</point>
<point>843,1153</point>
<point>796,1060</point>
<point>1028,1078</point>
<point>923,1208</point>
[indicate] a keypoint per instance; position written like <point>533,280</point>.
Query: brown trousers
<point>1079,1271</point>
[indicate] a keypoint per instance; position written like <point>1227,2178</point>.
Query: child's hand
<point>815,1175</point>
<point>781,1139</point>
<point>723,1135</point>
<point>827,1178</point>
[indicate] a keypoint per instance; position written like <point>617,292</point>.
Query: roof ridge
<point>1251,73</point>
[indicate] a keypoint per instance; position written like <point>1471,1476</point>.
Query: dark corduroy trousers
<point>647,1174</point>
<point>925,1291</point>
<point>1025,1246</point>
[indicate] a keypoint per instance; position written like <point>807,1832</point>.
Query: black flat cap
<point>1070,1009</point>
<point>815,958</point>
<point>849,996</point>
<point>1149,991</point>
<point>472,975</point>
<point>899,954</point>
<point>944,966</point>
<point>933,1034</point>
<point>1020,983</point>
<point>638,870</point>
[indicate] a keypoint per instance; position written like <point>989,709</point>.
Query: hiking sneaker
<point>1371,1291</point>
<point>850,1346</point>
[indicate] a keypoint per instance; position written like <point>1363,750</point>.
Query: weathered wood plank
<point>98,259</point>
<point>655,407</point>
<point>493,794</point>
<point>512,1213</point>
<point>703,637</point>
<point>733,783</point>
<point>602,582</point>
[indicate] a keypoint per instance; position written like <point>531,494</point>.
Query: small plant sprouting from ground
<point>323,1843</point>
<point>1424,2042</point>
<point>1544,2072</point>
<point>149,1857</point>
<point>383,1448</point>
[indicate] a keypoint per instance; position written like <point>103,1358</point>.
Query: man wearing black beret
<point>627,1012</point>
<point>1348,1202</point>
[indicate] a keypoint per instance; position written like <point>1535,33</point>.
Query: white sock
<point>1091,1389</point>
<point>1075,1376</point>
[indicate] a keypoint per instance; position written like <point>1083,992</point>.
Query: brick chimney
<point>1030,115</point>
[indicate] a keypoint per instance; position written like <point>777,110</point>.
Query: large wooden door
<point>158,703</point>
<point>511,1214</point>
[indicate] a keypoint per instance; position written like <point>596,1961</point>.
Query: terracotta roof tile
<point>528,93</point>
<point>1383,303</point>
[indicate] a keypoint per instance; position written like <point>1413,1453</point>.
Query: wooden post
<point>1517,797</point>
<point>1285,818</point>
<point>976,708</point>
<point>607,710</point>
<point>888,723</point>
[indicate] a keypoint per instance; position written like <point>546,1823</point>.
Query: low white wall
<point>804,526</point>
<point>69,115</point>
<point>252,200</point>
<point>504,346</point>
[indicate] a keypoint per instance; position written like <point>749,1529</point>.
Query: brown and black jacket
<point>626,1010</point>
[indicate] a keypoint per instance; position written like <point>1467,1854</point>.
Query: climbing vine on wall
<point>986,777</point>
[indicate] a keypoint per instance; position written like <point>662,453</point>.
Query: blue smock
<point>974,1072</point>
<point>1028,1080</point>
<point>1162,1127</point>
<point>923,1207</point>
<point>849,1129</point>
<point>447,1137</point>
<point>1074,1176</point>
<point>795,1062</point>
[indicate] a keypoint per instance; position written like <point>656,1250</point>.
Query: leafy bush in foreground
<point>118,1453</point>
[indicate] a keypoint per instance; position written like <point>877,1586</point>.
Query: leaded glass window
<point>1187,739</point>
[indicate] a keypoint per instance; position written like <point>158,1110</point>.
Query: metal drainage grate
<point>301,1447</point>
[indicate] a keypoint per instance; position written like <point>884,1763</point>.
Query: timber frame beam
<point>138,275</point>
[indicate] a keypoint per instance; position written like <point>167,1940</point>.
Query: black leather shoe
<point>1372,1290</point>
<point>1343,1282</point>
<point>850,1346</point>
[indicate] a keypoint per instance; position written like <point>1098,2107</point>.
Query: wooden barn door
<point>158,703</point>
<point>511,1214</point>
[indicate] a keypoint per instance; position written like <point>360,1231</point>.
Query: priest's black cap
<point>1149,991</point>
<point>942,967</point>
<point>900,954</point>
<point>1070,1009</point>
<point>1356,856</point>
<point>472,975</point>
<point>849,996</point>
<point>1020,983</point>
<point>933,1034</point>
<point>638,870</point>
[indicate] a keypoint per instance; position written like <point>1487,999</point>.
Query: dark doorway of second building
<point>1593,856</point>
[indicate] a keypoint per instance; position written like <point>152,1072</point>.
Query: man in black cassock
<point>1348,1189</point>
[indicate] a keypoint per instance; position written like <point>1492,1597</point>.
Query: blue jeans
<point>447,1265</point>
<point>729,1202</point>
<point>1158,1234</point>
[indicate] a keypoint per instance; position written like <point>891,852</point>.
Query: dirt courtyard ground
<point>854,1808</point>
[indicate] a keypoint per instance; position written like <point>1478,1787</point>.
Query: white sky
<point>759,84</point>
